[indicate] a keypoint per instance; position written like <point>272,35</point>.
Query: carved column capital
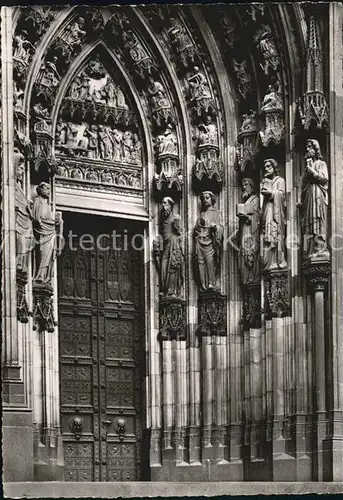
<point>317,271</point>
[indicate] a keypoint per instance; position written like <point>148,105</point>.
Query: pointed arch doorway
<point>101,332</point>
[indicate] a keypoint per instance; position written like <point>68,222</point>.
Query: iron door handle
<point>107,422</point>
<point>120,428</point>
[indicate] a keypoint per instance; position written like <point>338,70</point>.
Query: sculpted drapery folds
<point>24,232</point>
<point>168,251</point>
<point>45,230</point>
<point>208,234</point>
<point>314,201</point>
<point>273,217</point>
<point>248,213</point>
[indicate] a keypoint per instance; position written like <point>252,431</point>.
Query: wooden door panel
<point>79,461</point>
<point>100,328</point>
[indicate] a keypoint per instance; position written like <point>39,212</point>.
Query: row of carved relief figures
<point>258,227</point>
<point>98,142</point>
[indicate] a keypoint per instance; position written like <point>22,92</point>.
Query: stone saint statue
<point>249,233</point>
<point>314,201</point>
<point>23,227</point>
<point>45,230</point>
<point>168,251</point>
<point>208,234</point>
<point>207,132</point>
<point>273,217</point>
<point>167,143</point>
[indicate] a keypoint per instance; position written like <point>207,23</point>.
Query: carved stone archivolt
<point>247,142</point>
<point>185,51</point>
<point>30,28</point>
<point>161,109</point>
<point>133,49</point>
<point>244,79</point>
<point>200,94</point>
<point>168,178</point>
<point>266,45</point>
<point>273,116</point>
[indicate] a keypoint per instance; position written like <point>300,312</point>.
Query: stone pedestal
<point>43,318</point>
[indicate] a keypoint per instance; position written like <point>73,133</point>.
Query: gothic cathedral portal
<point>190,328</point>
<point>101,320</point>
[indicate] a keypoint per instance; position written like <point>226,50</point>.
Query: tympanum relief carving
<point>96,137</point>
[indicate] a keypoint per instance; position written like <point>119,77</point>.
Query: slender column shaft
<point>319,349</point>
<point>9,313</point>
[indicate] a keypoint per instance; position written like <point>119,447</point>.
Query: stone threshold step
<point>168,489</point>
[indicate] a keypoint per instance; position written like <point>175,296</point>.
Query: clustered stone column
<point>317,269</point>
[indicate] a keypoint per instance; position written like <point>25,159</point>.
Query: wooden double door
<point>101,331</point>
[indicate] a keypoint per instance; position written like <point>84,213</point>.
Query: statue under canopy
<point>208,234</point>
<point>314,201</point>
<point>273,220</point>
